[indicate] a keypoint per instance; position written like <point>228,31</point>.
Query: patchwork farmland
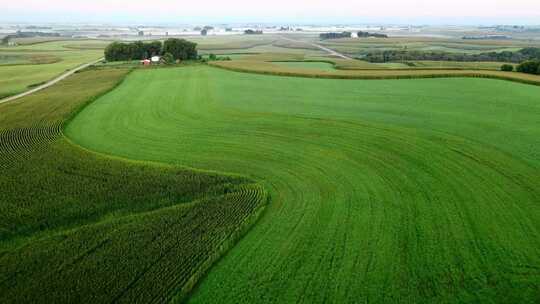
<point>268,170</point>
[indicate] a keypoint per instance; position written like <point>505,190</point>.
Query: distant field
<point>417,190</point>
<point>252,45</point>
<point>356,47</point>
<point>258,57</point>
<point>16,58</point>
<point>314,65</point>
<point>355,69</point>
<point>34,61</point>
<point>26,65</point>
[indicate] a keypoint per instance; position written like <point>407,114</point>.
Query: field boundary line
<point>50,82</point>
<point>464,73</point>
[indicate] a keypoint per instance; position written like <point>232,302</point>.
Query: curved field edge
<point>78,225</point>
<point>418,191</point>
<point>266,68</point>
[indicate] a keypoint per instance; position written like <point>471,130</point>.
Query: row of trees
<point>253,32</point>
<point>368,34</point>
<point>325,36</point>
<point>179,49</point>
<point>20,34</point>
<point>402,55</point>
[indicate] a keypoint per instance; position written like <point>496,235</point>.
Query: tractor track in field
<point>359,202</point>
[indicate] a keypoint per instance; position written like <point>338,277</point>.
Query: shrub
<point>507,68</point>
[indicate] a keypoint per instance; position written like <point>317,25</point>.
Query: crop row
<point>147,257</point>
<point>76,226</point>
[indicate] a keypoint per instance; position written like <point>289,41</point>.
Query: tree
<point>116,52</point>
<point>204,32</point>
<point>212,57</point>
<point>507,68</point>
<point>252,32</point>
<point>529,67</point>
<point>168,58</point>
<point>325,36</point>
<point>152,48</point>
<point>180,49</point>
<point>368,34</point>
<point>137,50</point>
<point>531,52</point>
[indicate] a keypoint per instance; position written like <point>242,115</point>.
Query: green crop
<point>76,226</point>
<point>412,191</point>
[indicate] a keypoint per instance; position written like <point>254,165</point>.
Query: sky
<point>291,11</point>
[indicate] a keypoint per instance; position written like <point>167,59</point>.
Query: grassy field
<point>311,65</point>
<point>24,66</point>
<point>76,226</point>
<point>414,191</point>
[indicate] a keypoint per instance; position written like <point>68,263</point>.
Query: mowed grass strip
<point>384,191</point>
<point>80,227</point>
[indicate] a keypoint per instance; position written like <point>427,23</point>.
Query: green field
<point>312,65</point>
<point>24,66</point>
<point>415,191</point>
<point>80,227</point>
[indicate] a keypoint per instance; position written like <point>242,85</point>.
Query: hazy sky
<point>407,11</point>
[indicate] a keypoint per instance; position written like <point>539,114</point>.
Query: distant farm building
<point>155,59</point>
<point>145,62</point>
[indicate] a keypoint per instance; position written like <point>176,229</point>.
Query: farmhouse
<point>155,59</point>
<point>145,62</point>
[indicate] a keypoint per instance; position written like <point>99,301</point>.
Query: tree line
<point>20,34</point>
<point>177,49</point>
<point>525,54</point>
<point>253,32</point>
<point>324,36</point>
<point>368,34</point>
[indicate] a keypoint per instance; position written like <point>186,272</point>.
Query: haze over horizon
<point>526,12</point>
